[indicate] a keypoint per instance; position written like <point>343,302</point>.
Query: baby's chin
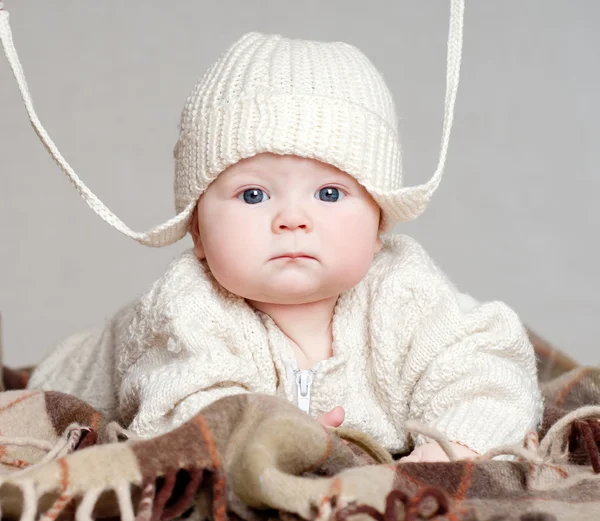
<point>293,294</point>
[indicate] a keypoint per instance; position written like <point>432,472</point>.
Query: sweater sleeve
<point>81,365</point>
<point>173,365</point>
<point>477,379</point>
<point>161,390</point>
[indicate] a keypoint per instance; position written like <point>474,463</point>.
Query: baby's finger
<point>333,418</point>
<point>411,458</point>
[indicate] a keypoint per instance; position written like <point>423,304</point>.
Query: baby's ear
<point>195,231</point>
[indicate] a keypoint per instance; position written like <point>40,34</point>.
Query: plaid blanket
<point>255,458</point>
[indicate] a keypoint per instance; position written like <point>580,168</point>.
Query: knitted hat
<point>267,93</point>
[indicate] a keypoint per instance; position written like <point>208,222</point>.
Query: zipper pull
<point>304,380</point>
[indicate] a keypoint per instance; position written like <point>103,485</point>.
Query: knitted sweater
<point>404,346</point>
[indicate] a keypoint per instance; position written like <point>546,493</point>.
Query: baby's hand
<point>433,452</point>
<point>333,418</point>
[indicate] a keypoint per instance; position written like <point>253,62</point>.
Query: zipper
<point>304,379</point>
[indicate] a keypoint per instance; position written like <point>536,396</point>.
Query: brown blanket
<point>255,457</point>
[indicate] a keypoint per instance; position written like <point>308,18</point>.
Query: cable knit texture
<point>406,345</point>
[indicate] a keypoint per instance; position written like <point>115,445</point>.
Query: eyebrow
<point>242,177</point>
<point>259,175</point>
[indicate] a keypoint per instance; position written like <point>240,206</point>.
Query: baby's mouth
<point>294,256</point>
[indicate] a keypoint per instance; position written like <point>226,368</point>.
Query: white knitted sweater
<point>405,346</point>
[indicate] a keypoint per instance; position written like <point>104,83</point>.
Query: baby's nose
<point>291,219</point>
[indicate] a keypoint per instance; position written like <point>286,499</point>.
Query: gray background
<point>514,219</point>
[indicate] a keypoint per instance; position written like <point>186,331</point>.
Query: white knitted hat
<point>267,93</point>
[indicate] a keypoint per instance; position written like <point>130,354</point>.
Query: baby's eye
<point>329,194</point>
<point>253,196</point>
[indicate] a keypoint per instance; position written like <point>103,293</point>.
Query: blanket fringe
<point>428,431</point>
<point>430,502</point>
<point>124,501</point>
<point>144,512</point>
<point>66,444</point>
<point>157,491</point>
<point>30,501</point>
<point>554,448</point>
<point>513,450</point>
<point>86,507</point>
<point>555,444</point>
<point>57,507</point>
<point>22,441</point>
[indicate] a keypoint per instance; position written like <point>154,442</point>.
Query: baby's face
<point>286,230</point>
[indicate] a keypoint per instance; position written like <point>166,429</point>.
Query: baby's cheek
<point>357,241</point>
<point>350,265</point>
<point>231,236</point>
<point>234,275</point>
<point>230,258</point>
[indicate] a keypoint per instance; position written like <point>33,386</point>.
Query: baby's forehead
<point>268,165</point>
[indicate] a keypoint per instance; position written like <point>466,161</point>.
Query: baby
<point>288,174</point>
